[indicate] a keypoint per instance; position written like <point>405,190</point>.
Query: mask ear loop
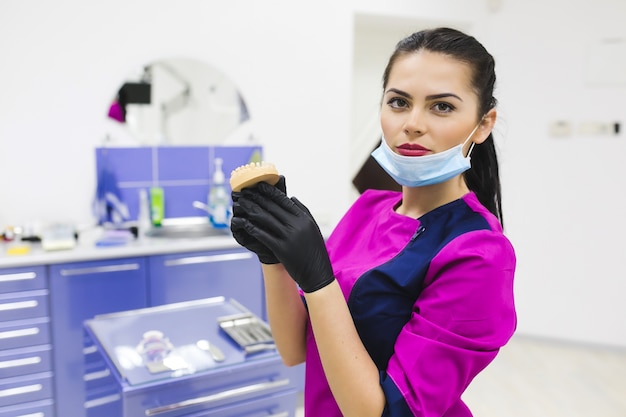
<point>469,152</point>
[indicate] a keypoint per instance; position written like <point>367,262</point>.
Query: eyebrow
<point>431,97</point>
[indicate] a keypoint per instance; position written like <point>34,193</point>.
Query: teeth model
<point>252,173</point>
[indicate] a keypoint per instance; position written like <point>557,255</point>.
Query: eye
<point>397,103</point>
<point>443,107</point>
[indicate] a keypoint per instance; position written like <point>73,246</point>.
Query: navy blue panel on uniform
<point>382,300</point>
<point>396,405</point>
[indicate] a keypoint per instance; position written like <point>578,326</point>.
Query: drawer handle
<point>18,305</point>
<point>90,349</point>
<point>19,333</point>
<point>18,277</point>
<point>99,269</point>
<point>20,362</point>
<point>228,394</point>
<point>283,414</point>
<point>92,376</point>
<point>102,401</point>
<point>39,414</point>
<point>21,390</point>
<point>208,259</point>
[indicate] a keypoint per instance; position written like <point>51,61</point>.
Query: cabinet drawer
<point>98,379</point>
<point>250,382</point>
<point>92,356</point>
<point>44,408</point>
<point>278,405</point>
<point>23,333</point>
<point>25,389</point>
<point>275,405</point>
<point>191,276</point>
<point>22,279</point>
<point>23,305</point>
<point>25,361</point>
<point>106,404</point>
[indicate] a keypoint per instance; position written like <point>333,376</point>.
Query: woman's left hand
<point>287,228</point>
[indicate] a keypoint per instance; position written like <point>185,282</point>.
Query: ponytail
<point>483,178</point>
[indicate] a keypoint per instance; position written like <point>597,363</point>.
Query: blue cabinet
<point>80,291</point>
<point>26,386</point>
<point>232,273</point>
<point>187,381</point>
<point>43,308</point>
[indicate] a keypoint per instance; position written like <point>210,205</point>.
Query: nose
<point>415,123</point>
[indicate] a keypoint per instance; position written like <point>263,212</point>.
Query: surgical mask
<point>418,171</point>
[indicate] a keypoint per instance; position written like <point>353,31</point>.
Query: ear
<point>486,126</point>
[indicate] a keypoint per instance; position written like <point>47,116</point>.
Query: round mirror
<point>178,101</point>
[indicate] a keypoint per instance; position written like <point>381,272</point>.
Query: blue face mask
<point>417,171</point>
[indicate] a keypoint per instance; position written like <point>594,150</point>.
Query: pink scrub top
<point>431,298</point>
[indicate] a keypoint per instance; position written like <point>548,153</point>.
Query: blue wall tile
<point>184,173</point>
<point>183,163</point>
<point>179,200</point>
<point>129,164</point>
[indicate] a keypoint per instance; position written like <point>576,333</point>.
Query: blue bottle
<point>219,201</point>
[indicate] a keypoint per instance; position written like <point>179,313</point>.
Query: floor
<point>540,378</point>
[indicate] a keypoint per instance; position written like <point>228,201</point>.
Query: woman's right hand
<point>286,227</point>
<point>265,255</point>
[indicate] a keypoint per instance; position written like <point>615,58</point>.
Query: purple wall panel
<point>184,172</point>
<point>129,164</point>
<point>183,163</point>
<point>178,200</point>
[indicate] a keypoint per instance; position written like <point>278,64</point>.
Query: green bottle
<point>157,204</point>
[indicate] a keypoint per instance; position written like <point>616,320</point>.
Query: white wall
<point>61,62</point>
<point>565,206</point>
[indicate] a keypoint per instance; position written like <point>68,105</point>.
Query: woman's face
<point>429,106</point>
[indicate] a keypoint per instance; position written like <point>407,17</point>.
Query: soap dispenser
<point>219,201</point>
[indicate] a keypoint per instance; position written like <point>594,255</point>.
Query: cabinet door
<point>80,291</point>
<point>230,273</point>
<point>22,279</point>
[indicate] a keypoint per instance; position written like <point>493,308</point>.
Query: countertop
<point>86,249</point>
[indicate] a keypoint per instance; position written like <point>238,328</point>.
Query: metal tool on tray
<point>248,331</point>
<point>215,352</point>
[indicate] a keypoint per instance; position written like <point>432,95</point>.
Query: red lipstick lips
<point>412,149</point>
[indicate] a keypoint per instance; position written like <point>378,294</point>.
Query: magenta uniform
<point>431,298</point>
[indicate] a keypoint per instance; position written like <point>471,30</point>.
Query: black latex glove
<point>243,238</point>
<point>286,227</point>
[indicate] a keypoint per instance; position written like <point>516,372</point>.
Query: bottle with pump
<point>219,200</point>
<point>144,222</point>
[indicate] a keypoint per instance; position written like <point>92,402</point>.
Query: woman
<point>412,294</point>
